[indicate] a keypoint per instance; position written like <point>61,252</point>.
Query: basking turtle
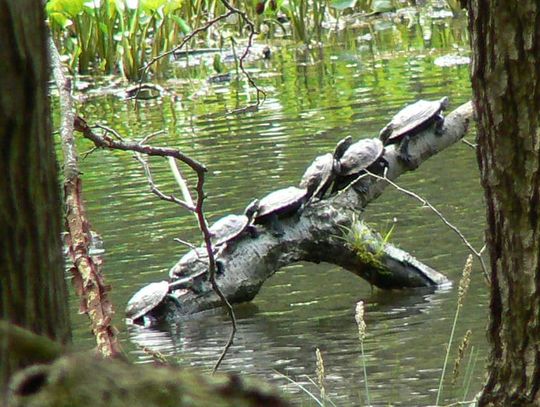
<point>185,264</point>
<point>363,155</point>
<point>410,121</point>
<point>319,175</point>
<point>279,204</point>
<point>231,226</point>
<point>152,295</point>
<point>223,231</point>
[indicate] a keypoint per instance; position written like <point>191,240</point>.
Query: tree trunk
<point>33,292</point>
<point>505,79</point>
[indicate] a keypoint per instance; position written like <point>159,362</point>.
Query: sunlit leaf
<point>382,5</point>
<point>343,4</point>
<point>70,8</point>
<point>172,5</point>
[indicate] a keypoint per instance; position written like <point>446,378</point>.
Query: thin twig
<point>468,143</point>
<point>252,33</point>
<point>184,42</point>
<point>200,170</point>
<point>426,203</point>
<point>156,191</point>
<point>261,95</point>
<point>185,242</point>
<point>212,266</point>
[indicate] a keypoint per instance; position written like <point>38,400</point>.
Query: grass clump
<point>368,245</point>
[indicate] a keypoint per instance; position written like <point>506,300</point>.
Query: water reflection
<point>315,98</point>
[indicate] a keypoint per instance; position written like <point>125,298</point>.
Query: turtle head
<point>386,132</point>
<point>252,209</point>
<point>444,103</point>
<point>336,167</point>
<point>342,146</point>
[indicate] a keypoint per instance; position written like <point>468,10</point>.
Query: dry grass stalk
<point>359,316</point>
<point>461,353</point>
<point>320,373</point>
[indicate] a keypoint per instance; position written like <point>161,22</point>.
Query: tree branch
<point>86,269</point>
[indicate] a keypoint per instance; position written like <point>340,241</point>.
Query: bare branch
<point>86,269</point>
<point>108,142</point>
<point>156,191</point>
<point>252,33</point>
<point>426,203</point>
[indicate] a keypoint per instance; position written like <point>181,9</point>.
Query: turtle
<point>410,121</point>
<point>223,231</point>
<point>198,254</point>
<point>363,155</point>
<point>153,294</point>
<point>318,177</point>
<point>185,264</point>
<point>280,204</point>
<point>231,226</point>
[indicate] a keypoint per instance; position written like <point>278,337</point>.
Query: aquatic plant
<point>368,246</point>
<point>115,36</point>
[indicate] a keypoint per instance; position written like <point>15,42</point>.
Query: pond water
<point>315,97</point>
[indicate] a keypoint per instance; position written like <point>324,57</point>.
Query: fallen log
<point>319,233</point>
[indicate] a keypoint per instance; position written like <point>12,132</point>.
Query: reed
<point>320,374</point>
<point>359,317</point>
<point>462,291</point>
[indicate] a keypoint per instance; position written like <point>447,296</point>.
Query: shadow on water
<point>315,98</point>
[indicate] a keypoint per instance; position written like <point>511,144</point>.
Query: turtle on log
<point>224,231</point>
<point>364,155</point>
<point>280,204</point>
<point>319,176</point>
<point>230,227</point>
<point>412,120</point>
<point>139,307</point>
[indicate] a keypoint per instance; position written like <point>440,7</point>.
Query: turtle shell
<point>359,156</point>
<point>318,175</point>
<point>228,228</point>
<point>281,202</point>
<point>185,263</point>
<point>412,119</point>
<point>146,299</point>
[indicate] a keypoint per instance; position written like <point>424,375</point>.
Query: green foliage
<point>111,36</point>
<point>368,246</point>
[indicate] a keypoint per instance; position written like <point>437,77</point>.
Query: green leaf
<point>184,26</point>
<point>381,6</point>
<point>70,8</point>
<point>343,4</point>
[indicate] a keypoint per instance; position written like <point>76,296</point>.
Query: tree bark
<point>506,83</point>
<point>33,292</point>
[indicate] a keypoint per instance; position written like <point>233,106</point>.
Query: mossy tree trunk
<point>33,292</point>
<point>506,85</point>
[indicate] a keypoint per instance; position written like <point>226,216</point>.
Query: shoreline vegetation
<point>132,38</point>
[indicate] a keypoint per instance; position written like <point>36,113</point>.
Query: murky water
<point>314,98</point>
